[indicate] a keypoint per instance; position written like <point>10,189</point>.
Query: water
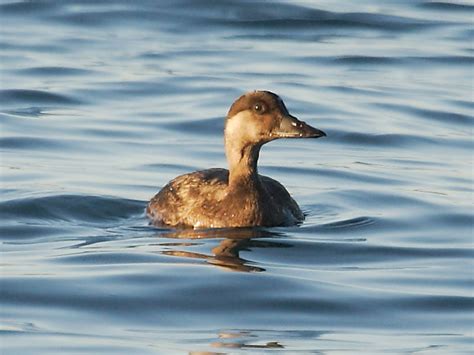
<point>102,103</point>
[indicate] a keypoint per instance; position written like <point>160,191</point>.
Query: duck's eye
<point>259,108</point>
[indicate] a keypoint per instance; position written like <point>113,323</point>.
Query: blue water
<point>103,102</point>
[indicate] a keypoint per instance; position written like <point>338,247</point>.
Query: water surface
<point>102,103</point>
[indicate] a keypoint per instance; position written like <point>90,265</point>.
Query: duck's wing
<point>281,197</point>
<point>181,200</point>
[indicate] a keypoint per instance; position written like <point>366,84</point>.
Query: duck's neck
<point>242,160</point>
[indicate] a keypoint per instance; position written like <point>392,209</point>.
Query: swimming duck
<point>238,197</point>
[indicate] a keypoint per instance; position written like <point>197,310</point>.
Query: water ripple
<point>383,140</point>
<point>447,6</point>
<point>450,118</point>
<point>21,96</point>
<point>55,71</point>
<point>75,208</point>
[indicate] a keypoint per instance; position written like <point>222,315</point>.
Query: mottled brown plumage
<point>238,197</point>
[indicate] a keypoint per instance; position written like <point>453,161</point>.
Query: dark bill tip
<point>316,133</point>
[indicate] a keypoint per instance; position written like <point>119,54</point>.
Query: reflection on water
<point>242,340</point>
<point>226,254</point>
<point>245,340</point>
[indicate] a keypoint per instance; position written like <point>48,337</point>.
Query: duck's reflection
<point>240,340</point>
<point>226,253</point>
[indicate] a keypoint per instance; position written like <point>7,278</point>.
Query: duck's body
<point>204,199</point>
<point>238,197</point>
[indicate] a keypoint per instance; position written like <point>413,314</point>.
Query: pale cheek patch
<point>241,125</point>
<point>234,124</point>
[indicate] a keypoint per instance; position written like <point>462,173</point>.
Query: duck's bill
<point>291,127</point>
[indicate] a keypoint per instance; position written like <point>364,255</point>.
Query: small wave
<point>350,223</point>
<point>447,60</point>
<point>373,61</point>
<point>355,90</point>
<point>19,233</point>
<point>207,15</point>
<point>436,303</point>
<point>130,89</point>
<point>108,258</point>
<point>385,140</point>
<point>154,56</point>
<point>343,174</point>
<point>452,219</point>
<point>436,115</point>
<point>166,167</point>
<point>446,6</point>
<point>293,16</point>
<point>26,8</point>
<point>54,71</point>
<point>73,208</point>
<point>27,143</point>
<point>27,112</point>
<point>381,197</point>
<point>112,133</point>
<point>462,103</point>
<point>210,126</point>
<point>35,97</point>
<point>101,18</point>
<point>337,21</point>
<point>41,48</point>
<point>356,250</point>
<point>400,140</point>
<point>366,60</point>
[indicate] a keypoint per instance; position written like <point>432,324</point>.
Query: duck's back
<point>202,199</point>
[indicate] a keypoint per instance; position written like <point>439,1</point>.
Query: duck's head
<point>258,117</point>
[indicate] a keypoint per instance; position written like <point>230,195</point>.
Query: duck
<point>238,196</point>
